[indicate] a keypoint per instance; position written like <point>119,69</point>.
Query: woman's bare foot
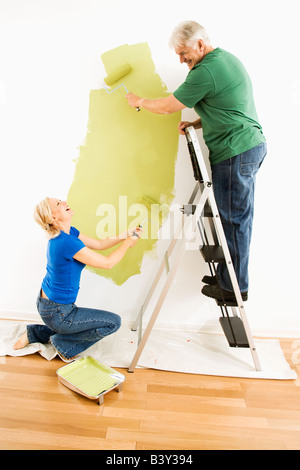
<point>22,342</point>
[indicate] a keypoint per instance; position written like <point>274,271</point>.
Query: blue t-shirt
<point>62,280</point>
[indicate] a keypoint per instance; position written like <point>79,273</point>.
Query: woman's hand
<point>136,231</point>
<point>134,235</point>
<point>132,241</point>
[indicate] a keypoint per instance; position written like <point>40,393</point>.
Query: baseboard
<point>22,316</point>
<point>210,327</point>
<point>213,327</point>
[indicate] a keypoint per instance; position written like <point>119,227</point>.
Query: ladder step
<point>228,303</point>
<point>212,253</point>
<point>234,331</point>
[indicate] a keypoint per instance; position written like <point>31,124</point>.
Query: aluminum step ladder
<point>202,210</point>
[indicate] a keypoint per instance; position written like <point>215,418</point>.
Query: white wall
<point>50,60</point>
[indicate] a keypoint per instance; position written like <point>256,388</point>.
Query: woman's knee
<point>117,321</point>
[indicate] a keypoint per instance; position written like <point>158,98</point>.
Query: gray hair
<point>188,33</point>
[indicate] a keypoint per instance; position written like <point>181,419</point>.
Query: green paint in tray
<point>89,377</point>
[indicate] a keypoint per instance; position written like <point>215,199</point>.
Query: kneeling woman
<point>71,329</point>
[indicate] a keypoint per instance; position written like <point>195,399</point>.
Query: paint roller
<point>116,76</point>
<point>151,204</point>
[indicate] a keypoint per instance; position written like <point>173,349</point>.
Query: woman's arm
<point>96,260</point>
<point>106,243</point>
<point>100,244</point>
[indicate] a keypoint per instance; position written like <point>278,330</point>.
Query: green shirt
<point>220,90</point>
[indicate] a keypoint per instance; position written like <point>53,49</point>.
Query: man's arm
<point>167,105</point>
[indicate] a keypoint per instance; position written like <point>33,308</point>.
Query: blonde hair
<point>43,216</point>
<point>188,32</point>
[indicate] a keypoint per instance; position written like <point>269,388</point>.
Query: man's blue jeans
<point>234,185</point>
<point>71,329</point>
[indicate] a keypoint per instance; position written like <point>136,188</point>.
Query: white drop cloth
<point>173,350</point>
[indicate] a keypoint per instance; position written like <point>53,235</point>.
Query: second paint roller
<point>158,211</point>
<point>116,76</point>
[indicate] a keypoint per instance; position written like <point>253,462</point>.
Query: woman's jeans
<point>234,185</point>
<point>71,329</point>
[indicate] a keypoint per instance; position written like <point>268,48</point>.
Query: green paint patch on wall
<point>126,154</point>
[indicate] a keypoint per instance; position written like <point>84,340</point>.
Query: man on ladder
<point>219,89</point>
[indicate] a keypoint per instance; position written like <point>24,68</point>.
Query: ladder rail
<point>192,137</point>
<point>170,276</point>
<point>235,285</point>
<point>201,175</point>
<point>157,308</point>
<point>162,265</point>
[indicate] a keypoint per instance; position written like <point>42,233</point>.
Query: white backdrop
<point>50,60</point>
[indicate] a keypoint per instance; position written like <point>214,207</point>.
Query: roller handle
<point>134,233</point>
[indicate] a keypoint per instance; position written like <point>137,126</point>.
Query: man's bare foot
<point>22,342</point>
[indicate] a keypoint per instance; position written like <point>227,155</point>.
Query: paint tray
<point>90,378</point>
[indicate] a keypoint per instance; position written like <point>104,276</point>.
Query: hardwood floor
<point>156,410</point>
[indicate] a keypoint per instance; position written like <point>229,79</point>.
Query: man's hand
<point>133,100</point>
<point>182,125</point>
